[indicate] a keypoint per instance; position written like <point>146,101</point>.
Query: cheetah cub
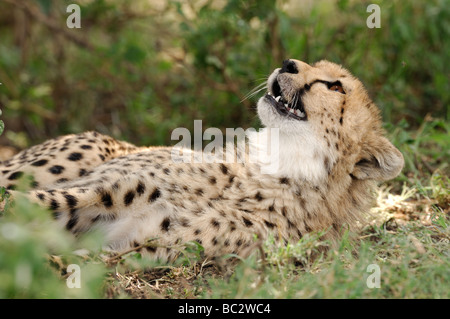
<point>331,151</point>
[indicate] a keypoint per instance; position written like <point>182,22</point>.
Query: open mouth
<point>294,108</point>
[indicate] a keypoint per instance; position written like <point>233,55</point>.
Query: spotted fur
<point>330,158</point>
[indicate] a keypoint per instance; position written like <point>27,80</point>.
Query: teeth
<point>286,106</point>
<point>291,110</point>
<point>278,98</point>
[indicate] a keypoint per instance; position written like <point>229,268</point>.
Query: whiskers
<point>256,90</point>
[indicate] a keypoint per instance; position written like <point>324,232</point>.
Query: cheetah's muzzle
<point>294,108</point>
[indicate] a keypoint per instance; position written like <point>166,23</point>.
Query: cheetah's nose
<point>289,66</point>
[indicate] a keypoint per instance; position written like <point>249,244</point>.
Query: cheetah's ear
<point>380,161</point>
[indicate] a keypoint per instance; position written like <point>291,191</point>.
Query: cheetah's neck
<point>280,155</point>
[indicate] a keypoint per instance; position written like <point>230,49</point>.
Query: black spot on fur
<point>165,224</point>
<point>15,175</point>
<point>54,205</point>
<point>128,198</point>
<point>184,222</point>
<point>215,223</point>
<point>107,200</point>
<point>72,221</point>
<point>40,162</point>
<point>166,171</point>
<point>71,201</point>
<point>154,195</point>
<point>101,157</point>
<point>151,249</point>
<point>116,186</point>
<point>224,169</point>
<point>82,172</point>
<point>56,169</point>
<point>140,189</point>
<point>284,180</point>
<point>290,224</point>
<point>40,196</point>
<point>75,156</point>
<point>247,222</point>
<point>269,224</point>
<point>212,180</point>
<point>199,192</point>
<point>307,228</point>
<point>86,147</point>
<point>259,197</point>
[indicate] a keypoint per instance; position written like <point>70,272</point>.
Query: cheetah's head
<point>326,121</point>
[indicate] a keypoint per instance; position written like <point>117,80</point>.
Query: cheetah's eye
<point>337,87</point>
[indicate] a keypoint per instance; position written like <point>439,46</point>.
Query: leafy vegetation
<point>138,71</point>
